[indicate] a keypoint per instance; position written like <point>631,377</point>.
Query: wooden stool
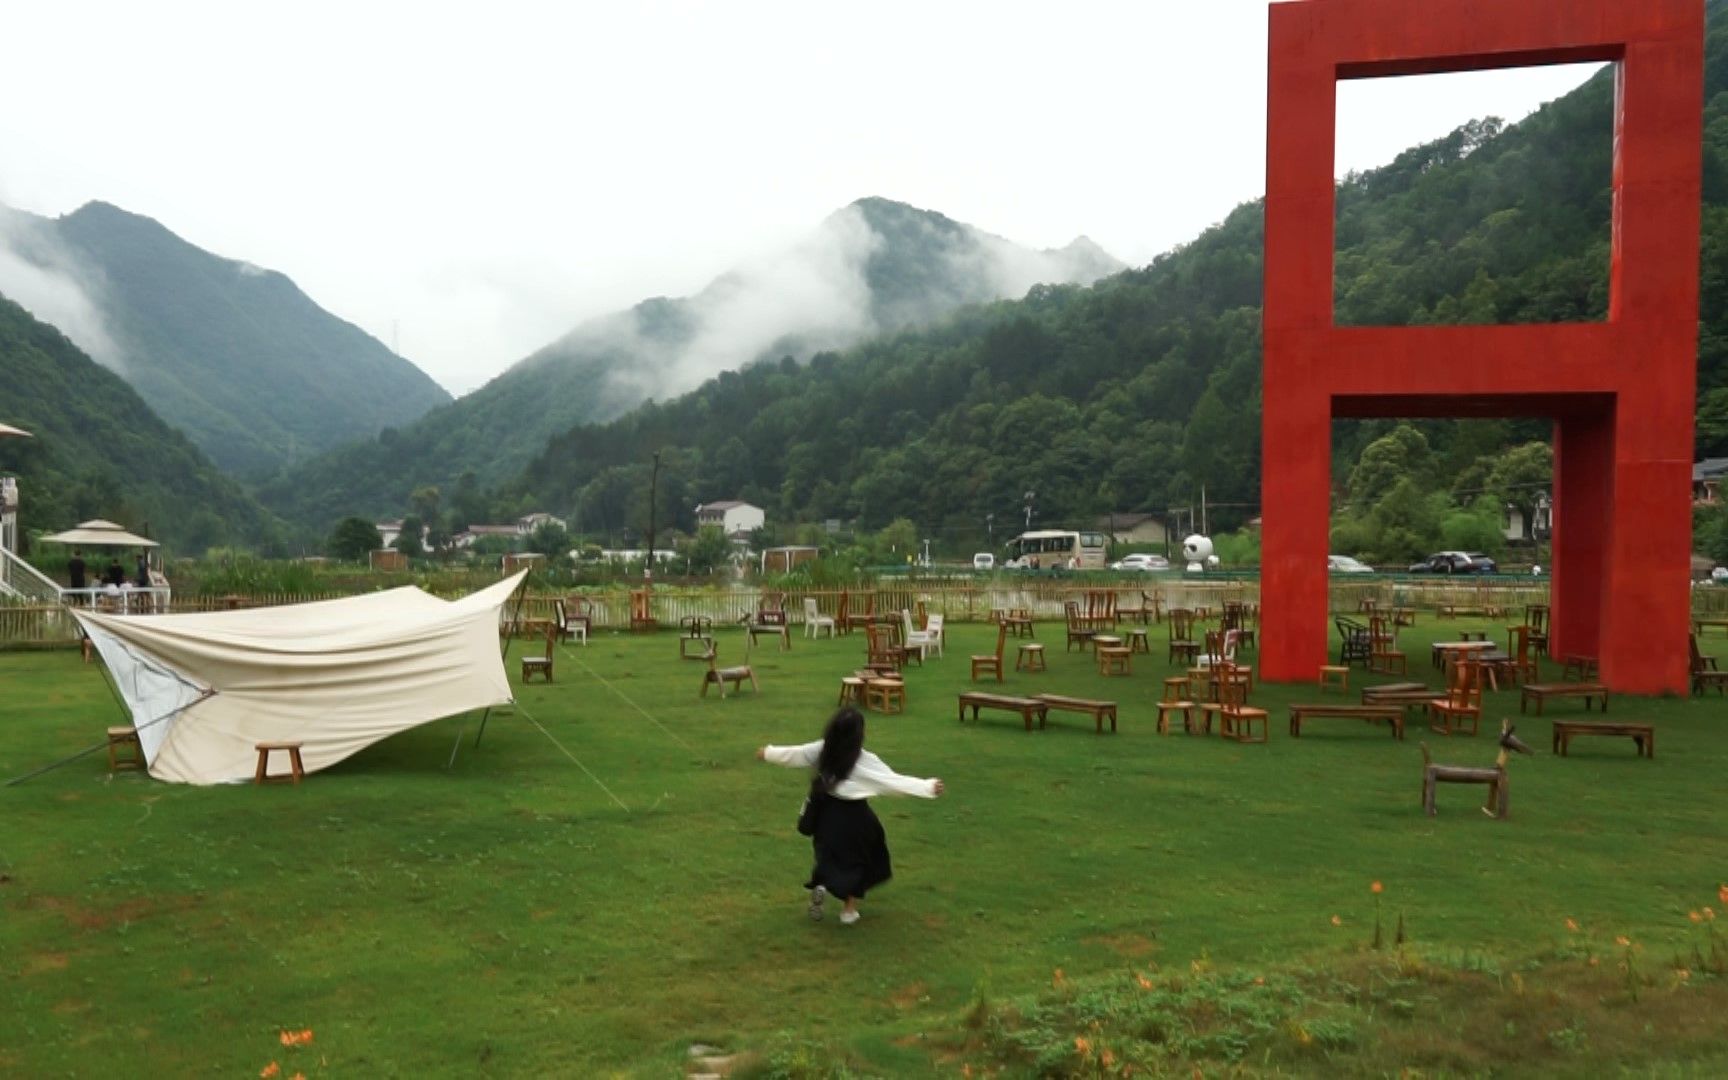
<point>1115,660</point>
<point>1176,687</point>
<point>1137,640</point>
<point>1331,675</point>
<point>1031,658</point>
<point>124,749</point>
<point>1105,641</point>
<point>851,689</point>
<point>296,769</point>
<point>885,695</point>
<point>1165,708</point>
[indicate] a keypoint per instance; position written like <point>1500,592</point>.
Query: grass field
<point>1076,904</point>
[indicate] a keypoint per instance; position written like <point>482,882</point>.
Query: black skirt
<point>851,848</point>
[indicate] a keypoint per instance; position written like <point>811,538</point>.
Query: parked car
<point>983,561</point>
<point>1344,564</point>
<point>1142,562</point>
<point>1456,562</point>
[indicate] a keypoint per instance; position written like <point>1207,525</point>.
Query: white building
<point>731,517</point>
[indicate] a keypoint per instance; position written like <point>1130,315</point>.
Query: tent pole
<point>461,730</point>
<point>207,695</point>
<point>482,730</point>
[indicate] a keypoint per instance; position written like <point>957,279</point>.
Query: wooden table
<point>1642,735</point>
<point>1700,624</point>
<point>1445,652</point>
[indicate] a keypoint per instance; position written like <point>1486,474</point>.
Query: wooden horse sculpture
<point>1499,791</point>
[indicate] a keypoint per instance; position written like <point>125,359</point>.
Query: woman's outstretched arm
<point>793,757</point>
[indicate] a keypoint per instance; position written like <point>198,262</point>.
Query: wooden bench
<point>296,771</point>
<point>1643,735</point>
<point>1590,692</point>
<point>719,676</point>
<point>1098,710</point>
<point>1026,707</point>
<point>1392,715</point>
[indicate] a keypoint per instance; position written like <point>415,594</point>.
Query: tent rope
<point>628,700</point>
<point>87,751</point>
<point>572,757</point>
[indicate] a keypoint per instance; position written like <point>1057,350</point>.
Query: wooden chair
<point>642,610</point>
<point>850,620</point>
<point>1384,653</point>
<point>1183,648</point>
<point>1081,630</point>
<point>1462,703</point>
<point>1520,659</point>
<point>881,650</point>
<point>771,610</point>
<point>1704,671</point>
<point>814,621</point>
<point>540,665</point>
<point>1236,718</point>
<point>1536,618</point>
<point>719,676</point>
<point>992,662</point>
<point>1355,643</point>
<point>1236,617</point>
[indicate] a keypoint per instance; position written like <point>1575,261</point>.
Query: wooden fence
<point>33,624</point>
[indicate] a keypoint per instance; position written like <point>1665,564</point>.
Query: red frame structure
<point>1620,392</point>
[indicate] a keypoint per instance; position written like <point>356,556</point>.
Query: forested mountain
<point>873,267</point>
<point>255,372</point>
<point>1138,391</point>
<point>99,450</point>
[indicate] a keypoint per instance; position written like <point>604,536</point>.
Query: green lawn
<point>507,917</point>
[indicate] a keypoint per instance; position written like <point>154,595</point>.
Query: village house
<point>736,519</point>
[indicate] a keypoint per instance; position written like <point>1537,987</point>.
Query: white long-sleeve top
<point>871,776</point>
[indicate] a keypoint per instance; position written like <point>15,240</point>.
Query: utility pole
<point>1030,495</point>
<point>1203,529</point>
<point>653,501</point>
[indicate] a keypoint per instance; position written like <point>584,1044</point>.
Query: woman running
<point>851,848</point>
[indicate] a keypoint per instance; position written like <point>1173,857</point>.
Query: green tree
<point>354,540</point>
<point>410,542</point>
<point>551,540</point>
<point>1519,475</point>
<point>898,539</point>
<point>709,551</point>
<point>1400,455</point>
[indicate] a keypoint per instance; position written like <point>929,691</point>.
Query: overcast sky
<point>474,179</point>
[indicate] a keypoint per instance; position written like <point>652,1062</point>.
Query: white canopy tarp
<point>335,676</point>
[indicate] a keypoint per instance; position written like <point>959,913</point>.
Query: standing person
<point>115,575</point>
<point>143,578</point>
<point>75,569</point>
<point>850,847</point>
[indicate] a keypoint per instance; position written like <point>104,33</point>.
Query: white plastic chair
<point>933,631</point>
<point>916,639</point>
<point>814,620</point>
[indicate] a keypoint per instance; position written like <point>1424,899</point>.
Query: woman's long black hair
<point>842,742</point>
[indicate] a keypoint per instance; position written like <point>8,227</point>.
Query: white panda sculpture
<point>1197,550</point>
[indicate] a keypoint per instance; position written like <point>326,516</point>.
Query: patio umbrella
<point>8,429</point>
<point>99,533</point>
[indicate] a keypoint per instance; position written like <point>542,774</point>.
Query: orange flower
<point>1107,1059</point>
<point>1572,925</point>
<point>1336,921</point>
<point>1695,916</point>
<point>1623,941</point>
<point>1145,983</point>
<point>1593,961</point>
<point>269,1070</point>
<point>1376,888</point>
<point>1682,974</point>
<point>1057,978</point>
<point>1722,893</point>
<point>1259,980</point>
<point>1710,914</point>
<point>1083,1045</point>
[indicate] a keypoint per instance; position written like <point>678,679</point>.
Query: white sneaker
<point>847,918</point>
<point>817,895</point>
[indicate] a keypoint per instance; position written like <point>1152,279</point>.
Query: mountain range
<point>875,267</point>
<point>237,357</point>
<point>100,451</point>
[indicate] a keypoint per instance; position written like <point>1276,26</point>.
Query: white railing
<point>18,578</point>
<point>120,600</point>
